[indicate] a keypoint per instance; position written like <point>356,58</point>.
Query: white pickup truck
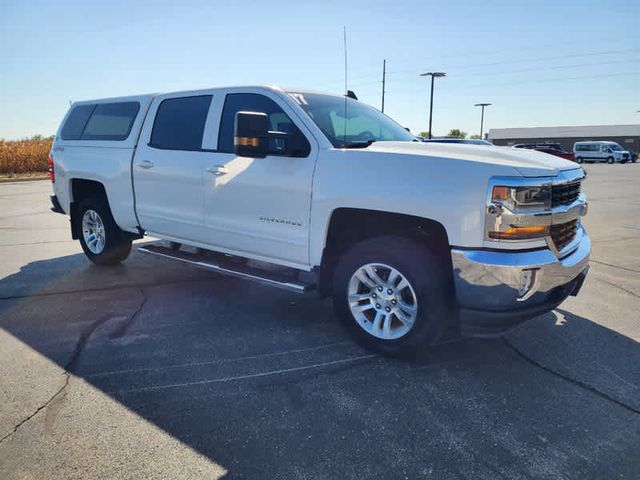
<point>414,241</point>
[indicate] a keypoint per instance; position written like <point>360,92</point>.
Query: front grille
<point>564,193</point>
<point>562,234</point>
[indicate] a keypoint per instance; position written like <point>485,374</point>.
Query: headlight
<point>522,198</point>
<point>513,212</point>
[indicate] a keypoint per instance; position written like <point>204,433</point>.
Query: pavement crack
<point>84,338</point>
<point>626,290</point>
<point>39,409</point>
<point>576,382</point>
<point>614,266</point>
<point>121,286</point>
<point>123,327</point>
<point>34,243</point>
<point>82,342</point>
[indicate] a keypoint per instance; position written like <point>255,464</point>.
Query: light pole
<point>482,116</point>
<point>433,75</point>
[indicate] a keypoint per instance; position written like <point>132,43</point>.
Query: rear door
<point>591,151</point>
<point>168,167</point>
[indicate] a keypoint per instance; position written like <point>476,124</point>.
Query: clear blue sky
<point>540,63</point>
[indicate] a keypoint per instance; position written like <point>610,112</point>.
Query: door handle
<point>145,164</point>
<point>218,170</point>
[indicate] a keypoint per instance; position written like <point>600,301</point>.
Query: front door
<point>260,206</point>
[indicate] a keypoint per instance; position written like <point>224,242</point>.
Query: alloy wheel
<point>93,231</point>
<point>382,301</point>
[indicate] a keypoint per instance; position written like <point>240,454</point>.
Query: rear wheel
<point>579,160</point>
<point>102,240</point>
<point>391,295</point>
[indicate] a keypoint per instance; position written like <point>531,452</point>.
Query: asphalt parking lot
<point>157,370</point>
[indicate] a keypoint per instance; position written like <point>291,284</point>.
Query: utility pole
<point>384,77</point>
<point>482,116</point>
<point>433,75</point>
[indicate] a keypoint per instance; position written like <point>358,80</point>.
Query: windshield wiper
<point>362,144</point>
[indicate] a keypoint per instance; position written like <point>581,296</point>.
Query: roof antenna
<point>346,92</point>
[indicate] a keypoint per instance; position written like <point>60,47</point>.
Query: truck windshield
<point>615,147</point>
<point>350,124</point>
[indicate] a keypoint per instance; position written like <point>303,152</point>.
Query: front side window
<point>296,143</point>
<point>180,122</point>
<point>111,121</point>
<point>348,123</point>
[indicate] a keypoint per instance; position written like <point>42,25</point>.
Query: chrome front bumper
<point>498,289</point>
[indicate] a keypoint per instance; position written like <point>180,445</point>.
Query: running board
<point>221,264</point>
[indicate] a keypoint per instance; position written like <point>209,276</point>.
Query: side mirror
<point>251,134</point>
<point>252,137</point>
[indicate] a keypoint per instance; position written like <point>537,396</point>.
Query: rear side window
<point>77,119</point>
<point>179,123</point>
<point>103,121</point>
<point>111,121</point>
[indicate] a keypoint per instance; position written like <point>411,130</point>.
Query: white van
<point>610,152</point>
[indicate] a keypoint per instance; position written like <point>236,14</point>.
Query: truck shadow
<point>265,383</point>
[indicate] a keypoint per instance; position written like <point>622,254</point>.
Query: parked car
<point>470,141</point>
<point>609,152</point>
<point>416,242</point>
<point>555,146</point>
<point>556,152</point>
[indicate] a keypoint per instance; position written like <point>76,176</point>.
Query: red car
<point>556,152</point>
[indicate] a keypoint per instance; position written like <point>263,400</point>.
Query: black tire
<point>579,160</point>
<point>117,244</point>
<point>609,159</point>
<point>175,246</point>
<point>428,277</point>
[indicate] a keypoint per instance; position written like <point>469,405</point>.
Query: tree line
<point>453,133</point>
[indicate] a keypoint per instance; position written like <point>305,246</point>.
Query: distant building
<point>628,136</point>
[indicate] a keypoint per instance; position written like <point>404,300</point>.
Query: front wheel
<point>610,160</point>
<point>391,295</point>
<point>102,240</point>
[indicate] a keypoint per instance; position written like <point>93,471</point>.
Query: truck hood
<point>528,163</point>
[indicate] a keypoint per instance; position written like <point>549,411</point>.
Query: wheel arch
<point>348,226</point>
<point>80,189</point>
